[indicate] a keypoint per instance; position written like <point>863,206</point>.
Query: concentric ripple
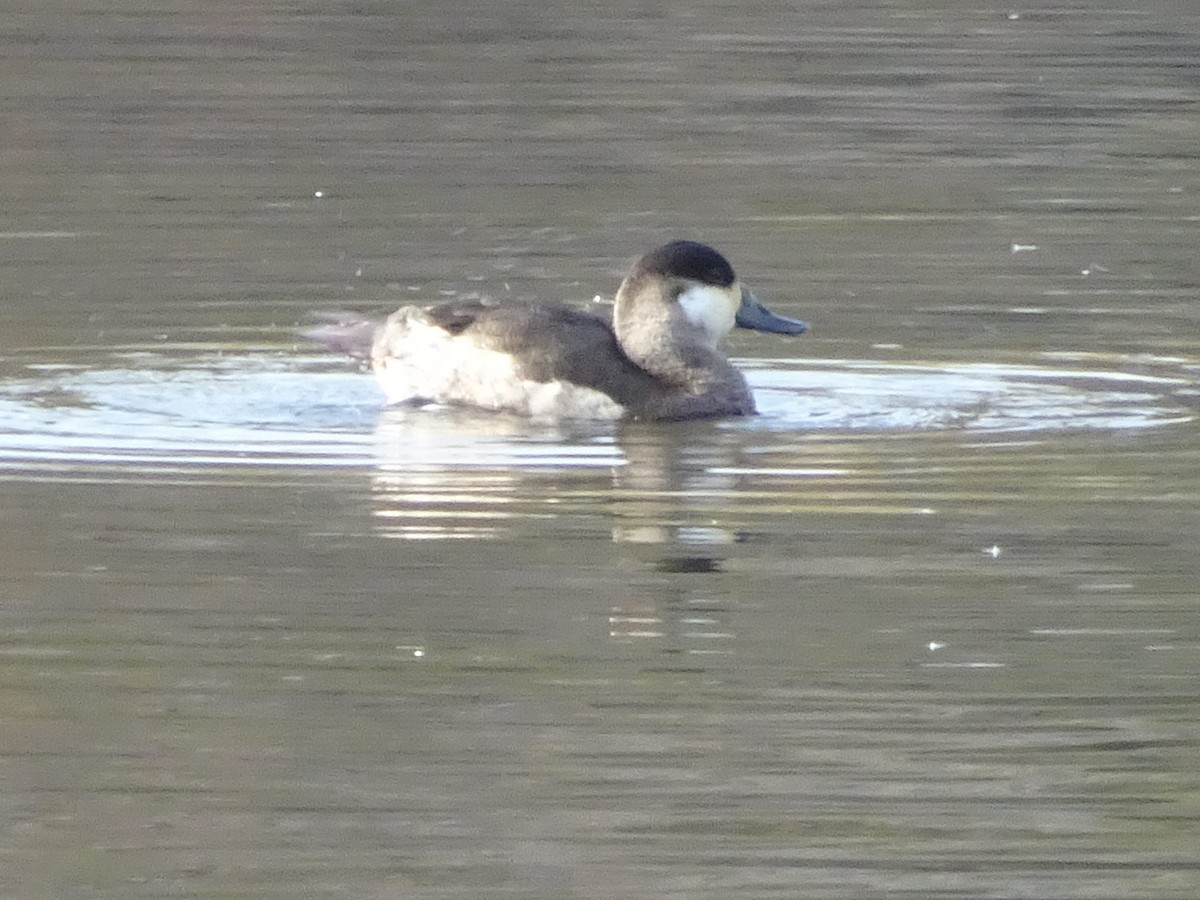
<point>282,409</point>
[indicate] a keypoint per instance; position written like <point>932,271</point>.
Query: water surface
<point>924,627</point>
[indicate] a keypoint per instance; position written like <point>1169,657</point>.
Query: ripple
<point>206,410</point>
<point>870,396</point>
<point>136,406</point>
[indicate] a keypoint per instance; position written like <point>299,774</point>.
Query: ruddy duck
<point>658,360</point>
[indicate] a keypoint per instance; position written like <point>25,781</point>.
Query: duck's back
<point>543,360</point>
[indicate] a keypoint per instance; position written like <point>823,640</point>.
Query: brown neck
<point>691,378</point>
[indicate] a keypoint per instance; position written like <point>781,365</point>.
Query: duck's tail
<point>344,332</point>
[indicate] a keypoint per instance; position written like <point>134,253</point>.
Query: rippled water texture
<point>925,627</point>
<point>255,409</point>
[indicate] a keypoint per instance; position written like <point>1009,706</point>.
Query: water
<point>135,406</point>
<point>924,627</point>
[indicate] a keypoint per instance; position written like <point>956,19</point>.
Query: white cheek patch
<point>711,309</point>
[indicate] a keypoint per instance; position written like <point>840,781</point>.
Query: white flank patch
<point>416,360</point>
<point>711,308</point>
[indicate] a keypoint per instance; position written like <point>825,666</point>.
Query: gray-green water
<point>927,627</point>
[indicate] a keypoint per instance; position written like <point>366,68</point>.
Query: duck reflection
<point>674,491</point>
<point>458,474</point>
<point>644,514</point>
<point>655,486</point>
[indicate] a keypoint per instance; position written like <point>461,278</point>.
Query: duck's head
<point>690,282</point>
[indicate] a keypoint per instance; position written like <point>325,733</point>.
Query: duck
<point>657,360</point>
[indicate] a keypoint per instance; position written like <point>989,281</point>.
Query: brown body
<point>657,361</point>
